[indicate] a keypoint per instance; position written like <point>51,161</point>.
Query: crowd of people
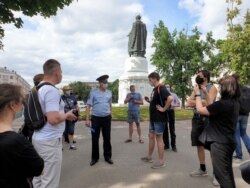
<point>36,162</point>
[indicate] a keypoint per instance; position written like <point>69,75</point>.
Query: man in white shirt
<point>170,124</point>
<point>48,140</point>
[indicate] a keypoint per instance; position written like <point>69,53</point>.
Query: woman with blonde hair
<point>19,161</point>
<point>219,135</point>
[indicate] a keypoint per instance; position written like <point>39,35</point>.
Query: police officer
<point>100,100</point>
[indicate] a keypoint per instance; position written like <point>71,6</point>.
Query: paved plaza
<point>128,170</point>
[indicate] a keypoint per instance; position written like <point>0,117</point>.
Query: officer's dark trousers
<point>171,123</point>
<point>101,124</point>
<point>221,155</point>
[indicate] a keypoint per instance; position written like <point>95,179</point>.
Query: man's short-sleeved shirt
<point>50,100</point>
<point>222,121</point>
<point>100,102</point>
<point>70,102</point>
<point>131,105</point>
<point>158,97</point>
<point>176,100</point>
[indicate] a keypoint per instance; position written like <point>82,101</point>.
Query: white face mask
<point>104,86</point>
<point>67,92</point>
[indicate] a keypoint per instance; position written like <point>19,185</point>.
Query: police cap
<point>103,78</point>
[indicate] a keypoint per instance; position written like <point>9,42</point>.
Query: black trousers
<point>222,156</point>
<point>101,124</point>
<point>171,123</point>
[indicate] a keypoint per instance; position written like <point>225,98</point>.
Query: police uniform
<point>101,102</point>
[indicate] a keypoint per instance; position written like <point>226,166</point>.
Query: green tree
<point>178,56</point>
<point>45,8</point>
<point>114,86</point>
<point>235,49</point>
<point>81,89</point>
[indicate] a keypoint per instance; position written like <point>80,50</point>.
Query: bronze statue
<point>137,38</point>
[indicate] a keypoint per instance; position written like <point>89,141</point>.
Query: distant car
<point>81,105</point>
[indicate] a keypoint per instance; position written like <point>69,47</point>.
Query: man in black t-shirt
<point>160,101</point>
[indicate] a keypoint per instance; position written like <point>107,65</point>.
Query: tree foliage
<point>45,8</point>
<point>236,47</point>
<point>114,87</point>
<point>81,89</point>
<point>179,56</point>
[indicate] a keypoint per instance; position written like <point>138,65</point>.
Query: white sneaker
<point>158,165</point>
<point>215,182</point>
<point>237,160</point>
<point>199,173</point>
<point>72,147</point>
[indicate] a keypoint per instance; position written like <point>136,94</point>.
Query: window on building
<point>11,77</point>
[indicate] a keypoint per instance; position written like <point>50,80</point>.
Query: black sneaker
<point>174,149</point>
<point>74,141</point>
<point>166,147</point>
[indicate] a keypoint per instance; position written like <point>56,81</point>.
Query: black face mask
<point>199,80</point>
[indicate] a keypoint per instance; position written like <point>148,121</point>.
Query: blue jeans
<point>241,132</point>
<point>157,127</point>
<point>133,116</point>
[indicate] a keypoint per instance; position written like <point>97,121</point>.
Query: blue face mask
<point>19,114</point>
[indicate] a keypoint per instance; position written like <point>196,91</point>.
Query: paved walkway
<point>128,170</point>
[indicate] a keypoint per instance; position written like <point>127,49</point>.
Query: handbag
<point>203,139</point>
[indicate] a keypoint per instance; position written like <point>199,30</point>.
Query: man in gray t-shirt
<point>134,101</point>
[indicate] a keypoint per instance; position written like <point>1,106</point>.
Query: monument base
<point>136,73</point>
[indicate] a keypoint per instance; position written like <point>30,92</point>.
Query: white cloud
<point>89,38</point>
<point>211,14</point>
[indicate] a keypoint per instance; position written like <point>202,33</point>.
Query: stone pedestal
<point>135,73</point>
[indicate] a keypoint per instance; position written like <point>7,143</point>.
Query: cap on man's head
<point>103,78</point>
<point>66,88</point>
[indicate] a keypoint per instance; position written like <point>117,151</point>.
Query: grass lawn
<point>120,114</point>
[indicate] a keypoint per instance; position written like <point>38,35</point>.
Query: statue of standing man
<point>137,38</point>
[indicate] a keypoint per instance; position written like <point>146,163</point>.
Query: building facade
<point>93,85</point>
<point>11,77</point>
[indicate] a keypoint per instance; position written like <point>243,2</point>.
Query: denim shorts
<point>157,127</point>
<point>69,127</point>
<point>133,116</point>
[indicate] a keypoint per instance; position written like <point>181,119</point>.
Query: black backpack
<point>34,117</point>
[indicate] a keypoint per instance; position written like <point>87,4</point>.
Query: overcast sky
<point>89,37</point>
